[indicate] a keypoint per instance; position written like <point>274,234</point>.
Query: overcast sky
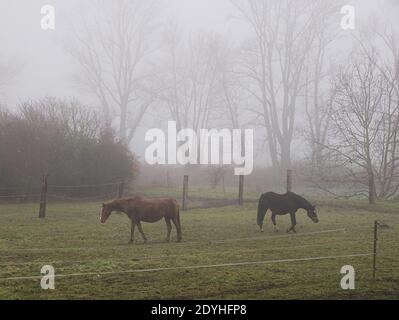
<point>48,67</point>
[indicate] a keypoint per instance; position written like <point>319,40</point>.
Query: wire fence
<point>189,193</point>
<point>189,196</point>
<point>367,253</point>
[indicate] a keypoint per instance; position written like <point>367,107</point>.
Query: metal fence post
<point>375,249</point>
<point>121,189</point>
<point>43,198</point>
<point>241,191</point>
<point>185,192</point>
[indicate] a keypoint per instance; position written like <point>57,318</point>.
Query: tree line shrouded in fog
<point>63,140</point>
<point>320,106</point>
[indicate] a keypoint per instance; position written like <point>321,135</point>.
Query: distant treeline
<point>62,139</point>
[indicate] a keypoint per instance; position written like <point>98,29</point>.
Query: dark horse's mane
<point>305,204</point>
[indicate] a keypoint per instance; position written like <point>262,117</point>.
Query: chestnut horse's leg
<point>132,232</point>
<point>141,231</point>
<point>176,222</point>
<point>169,228</point>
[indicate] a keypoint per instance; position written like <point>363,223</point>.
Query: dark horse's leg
<point>132,232</point>
<point>262,210</point>
<point>169,228</point>
<point>141,231</point>
<point>274,222</point>
<point>293,223</point>
<point>176,222</point>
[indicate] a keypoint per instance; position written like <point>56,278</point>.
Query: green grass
<point>73,241</point>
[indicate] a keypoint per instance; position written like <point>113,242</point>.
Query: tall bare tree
<point>190,78</point>
<point>113,53</point>
<point>233,99</point>
<point>358,120</point>
<point>283,34</point>
<point>318,72</point>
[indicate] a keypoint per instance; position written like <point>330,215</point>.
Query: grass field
<point>73,241</point>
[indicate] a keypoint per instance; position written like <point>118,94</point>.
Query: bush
<point>64,140</point>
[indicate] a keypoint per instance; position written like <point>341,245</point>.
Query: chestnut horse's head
<point>105,212</point>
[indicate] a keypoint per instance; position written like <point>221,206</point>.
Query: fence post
<point>43,198</point>
<point>121,189</point>
<point>375,249</point>
<point>241,191</point>
<point>185,191</point>
<point>289,180</point>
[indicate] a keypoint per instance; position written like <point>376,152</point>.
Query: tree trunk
<point>372,189</point>
<point>122,126</point>
<point>285,161</point>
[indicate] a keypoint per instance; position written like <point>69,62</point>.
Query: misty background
<point>39,63</point>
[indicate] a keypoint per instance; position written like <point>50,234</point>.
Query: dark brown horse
<point>281,204</point>
<point>139,209</point>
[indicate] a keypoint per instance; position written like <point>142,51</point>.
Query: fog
<point>43,52</point>
<point>46,60</point>
<point>45,67</point>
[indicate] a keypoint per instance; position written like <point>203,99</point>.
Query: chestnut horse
<point>139,209</point>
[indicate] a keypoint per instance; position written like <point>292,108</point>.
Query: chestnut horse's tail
<point>178,216</point>
<point>178,226</point>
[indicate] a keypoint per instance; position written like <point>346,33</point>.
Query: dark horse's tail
<point>262,208</point>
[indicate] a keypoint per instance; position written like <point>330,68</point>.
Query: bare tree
<point>357,119</point>
<point>233,98</point>
<point>388,142</point>
<point>112,53</point>
<point>283,34</point>
<point>363,147</point>
<point>76,119</point>
<point>190,79</point>
<point>317,93</point>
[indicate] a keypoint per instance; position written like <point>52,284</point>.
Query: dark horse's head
<point>106,212</point>
<point>312,214</point>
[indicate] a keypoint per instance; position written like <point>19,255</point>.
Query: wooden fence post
<point>185,192</point>
<point>121,189</point>
<point>43,198</point>
<point>289,180</point>
<point>241,191</point>
<point>375,249</point>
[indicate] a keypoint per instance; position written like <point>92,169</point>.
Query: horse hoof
<point>167,240</point>
<point>276,230</point>
<point>131,242</point>
<point>178,240</point>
